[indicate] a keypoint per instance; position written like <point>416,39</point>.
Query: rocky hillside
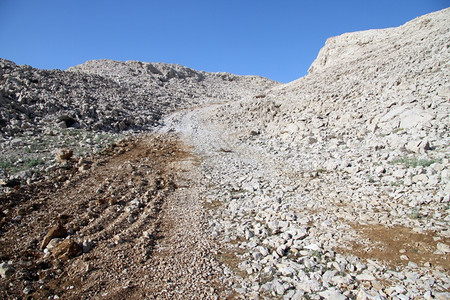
<point>333,186</point>
<point>110,95</point>
<point>370,82</point>
<point>379,91</point>
<point>359,151</point>
<point>90,105</point>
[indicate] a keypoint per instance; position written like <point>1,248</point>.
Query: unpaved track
<point>183,264</point>
<point>250,190</point>
<point>139,209</point>
<point>178,215</point>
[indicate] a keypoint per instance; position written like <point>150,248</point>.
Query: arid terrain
<point>132,180</point>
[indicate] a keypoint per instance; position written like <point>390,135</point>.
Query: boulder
<point>63,154</point>
<point>418,146</point>
<point>66,250</point>
<point>415,117</point>
<point>6,270</point>
<point>57,231</point>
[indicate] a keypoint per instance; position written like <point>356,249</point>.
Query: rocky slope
<point>359,155</point>
<point>90,105</point>
<point>370,82</point>
<point>334,186</point>
<point>110,95</point>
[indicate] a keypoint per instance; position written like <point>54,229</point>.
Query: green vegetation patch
<point>38,150</point>
<point>14,164</point>
<point>413,162</point>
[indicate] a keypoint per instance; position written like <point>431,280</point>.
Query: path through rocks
<point>133,217</point>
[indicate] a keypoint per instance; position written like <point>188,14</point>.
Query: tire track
<point>128,209</point>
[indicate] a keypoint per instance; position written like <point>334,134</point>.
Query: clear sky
<point>278,39</point>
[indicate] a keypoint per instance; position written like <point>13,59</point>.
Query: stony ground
<point>334,186</point>
<point>131,226</point>
<point>293,233</point>
<point>194,212</point>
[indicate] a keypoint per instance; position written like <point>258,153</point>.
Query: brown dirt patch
<point>388,244</point>
<point>119,207</point>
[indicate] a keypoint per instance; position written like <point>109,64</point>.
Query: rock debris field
<point>132,180</point>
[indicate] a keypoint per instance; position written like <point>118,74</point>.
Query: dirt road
<point>136,214</point>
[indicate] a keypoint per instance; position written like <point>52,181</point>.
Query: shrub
<point>413,162</point>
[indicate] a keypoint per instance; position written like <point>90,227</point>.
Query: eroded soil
<point>398,246</point>
<point>139,220</point>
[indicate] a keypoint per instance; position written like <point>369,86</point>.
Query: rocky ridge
<point>334,186</point>
<point>110,95</point>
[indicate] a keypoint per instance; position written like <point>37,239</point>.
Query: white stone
<point>420,178</point>
<point>415,118</point>
<point>313,247</point>
<point>309,286</point>
<point>363,294</point>
<point>298,295</point>
<point>365,277</point>
<point>278,287</point>
<point>281,250</point>
<point>443,247</point>
<point>400,173</point>
<point>332,293</point>
<point>6,270</point>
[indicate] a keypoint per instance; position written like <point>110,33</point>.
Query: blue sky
<point>276,39</point>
